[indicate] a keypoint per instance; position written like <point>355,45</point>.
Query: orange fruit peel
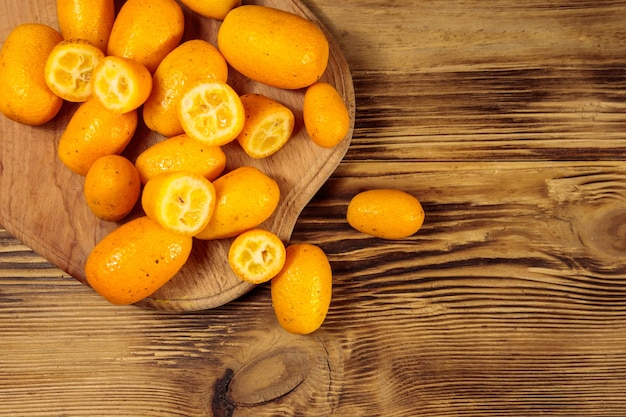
<point>91,20</point>
<point>24,95</point>
<point>385,213</point>
<point>256,256</point>
<point>180,202</point>
<point>135,260</point>
<point>326,116</point>
<point>69,68</point>
<point>112,187</point>
<point>302,290</point>
<point>246,197</point>
<point>181,153</point>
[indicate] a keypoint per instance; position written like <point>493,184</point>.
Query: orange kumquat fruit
<point>214,9</point>
<point>135,260</point>
<point>302,290</point>
<point>112,187</point>
<point>90,20</point>
<point>24,95</point>
<point>326,117</point>
<point>274,47</point>
<point>267,127</point>
<point>246,197</point>
<point>69,68</point>
<point>180,202</point>
<point>146,31</point>
<point>121,84</point>
<point>92,132</point>
<point>256,256</point>
<point>212,113</point>
<point>189,63</point>
<point>181,153</point>
<point>385,213</point>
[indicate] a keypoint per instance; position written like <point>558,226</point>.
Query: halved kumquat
<point>69,69</point>
<point>256,256</point>
<point>267,128</point>
<point>180,202</point>
<point>212,113</point>
<point>121,84</point>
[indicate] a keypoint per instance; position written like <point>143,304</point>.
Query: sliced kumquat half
<point>256,256</point>
<point>121,84</point>
<point>69,68</point>
<point>180,202</point>
<point>212,112</point>
<point>267,128</point>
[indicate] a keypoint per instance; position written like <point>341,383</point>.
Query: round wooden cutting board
<point>41,201</point>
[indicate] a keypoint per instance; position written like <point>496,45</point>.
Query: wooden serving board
<point>42,203</point>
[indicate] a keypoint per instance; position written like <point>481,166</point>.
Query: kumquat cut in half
<point>69,68</point>
<point>121,84</point>
<point>180,202</point>
<point>256,256</point>
<point>212,113</point>
<point>267,128</point>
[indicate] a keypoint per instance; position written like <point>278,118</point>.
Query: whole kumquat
<point>326,117</point>
<point>385,213</point>
<point>24,95</point>
<point>189,63</point>
<point>146,31</point>
<point>90,20</point>
<point>92,132</point>
<point>112,187</point>
<point>181,153</point>
<point>135,260</point>
<point>246,197</point>
<point>214,9</point>
<point>274,47</point>
<point>302,290</point>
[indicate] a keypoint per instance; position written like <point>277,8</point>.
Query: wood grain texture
<point>507,121</point>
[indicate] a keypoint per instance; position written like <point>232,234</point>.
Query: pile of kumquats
<point>131,63</point>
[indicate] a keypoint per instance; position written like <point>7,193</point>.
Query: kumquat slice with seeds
<point>257,255</point>
<point>180,202</point>
<point>268,126</point>
<point>212,113</point>
<point>69,68</point>
<point>121,84</point>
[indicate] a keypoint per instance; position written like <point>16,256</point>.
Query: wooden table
<point>507,120</point>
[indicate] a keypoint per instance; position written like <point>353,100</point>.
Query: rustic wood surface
<point>508,121</point>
